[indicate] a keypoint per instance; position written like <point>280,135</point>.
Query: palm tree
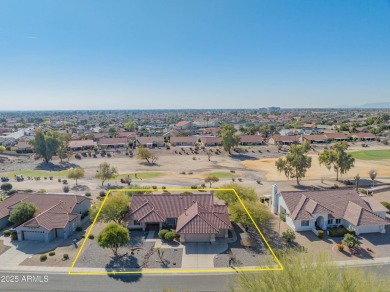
<point>373,175</point>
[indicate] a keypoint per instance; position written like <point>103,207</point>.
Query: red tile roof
<point>81,143</point>
<point>251,139</point>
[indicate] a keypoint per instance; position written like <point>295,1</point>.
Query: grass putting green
<point>36,173</point>
<point>371,154</point>
<point>140,175</point>
<point>221,174</point>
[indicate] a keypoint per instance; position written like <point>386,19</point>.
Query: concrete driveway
<point>20,250</point>
<point>201,255</point>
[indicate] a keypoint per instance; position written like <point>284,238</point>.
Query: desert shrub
<point>162,233</point>
<point>41,191</point>
<point>164,187</point>
<point>11,192</point>
<point>52,253</point>
<point>170,235</point>
<point>28,191</point>
<point>14,236</point>
<point>102,194</point>
<point>8,148</point>
<point>65,189</point>
<point>282,217</point>
<point>65,256</point>
<point>340,247</point>
<point>7,232</point>
<point>320,234</point>
<point>288,235</point>
<point>64,181</point>
<point>43,257</point>
<point>77,156</point>
<point>91,236</point>
<point>194,187</point>
<point>79,228</point>
<point>87,194</point>
<point>154,187</point>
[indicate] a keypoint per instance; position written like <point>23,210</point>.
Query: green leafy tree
<point>130,126</point>
<point>45,145</point>
<point>115,208</point>
<point>113,237</point>
<point>296,163</point>
<point>2,149</point>
<point>305,272</point>
<point>6,187</point>
<point>22,213</point>
<point>265,130</point>
<point>113,132</point>
<point>106,172</point>
<point>338,158</point>
<point>146,154</point>
<point>259,212</point>
<point>211,179</point>
<point>63,148</point>
<point>245,193</point>
<point>76,173</point>
<point>229,138</point>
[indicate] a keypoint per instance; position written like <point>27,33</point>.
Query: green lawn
<point>33,173</point>
<point>371,154</point>
<point>143,175</point>
<point>221,174</point>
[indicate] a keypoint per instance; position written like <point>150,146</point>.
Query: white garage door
<point>369,229</point>
<point>34,235</point>
<point>197,237</point>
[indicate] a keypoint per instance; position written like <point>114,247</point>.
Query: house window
<point>171,221</point>
<point>330,221</point>
<point>135,222</point>
<point>305,223</point>
<point>338,221</point>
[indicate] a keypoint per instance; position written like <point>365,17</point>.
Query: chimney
<point>185,211</point>
<point>275,199</point>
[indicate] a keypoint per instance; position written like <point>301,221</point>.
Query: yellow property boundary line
<point>165,271</point>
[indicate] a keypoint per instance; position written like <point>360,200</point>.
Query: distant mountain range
<point>369,105</point>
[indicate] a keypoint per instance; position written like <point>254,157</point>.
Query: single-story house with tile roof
<point>76,145</point>
<point>184,125</point>
<point>113,142</point>
<point>195,217</point>
<point>184,141</point>
<point>57,215</point>
<point>128,135</point>
<point>364,136</point>
<point>251,140</point>
<point>322,209</point>
<point>314,138</point>
<point>284,139</point>
<point>151,142</point>
<point>337,136</point>
<point>211,141</point>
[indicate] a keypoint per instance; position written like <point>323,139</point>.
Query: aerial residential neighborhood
<point>204,146</point>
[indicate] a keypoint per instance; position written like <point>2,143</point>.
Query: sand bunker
<point>362,167</point>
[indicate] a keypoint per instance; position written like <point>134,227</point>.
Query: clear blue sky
<point>193,54</point>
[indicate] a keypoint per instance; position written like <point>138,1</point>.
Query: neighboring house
<point>105,143</point>
<point>314,138</point>
<point>337,136</point>
<point>23,146</point>
<point>128,135</point>
<point>283,140</point>
<point>184,141</point>
<point>364,136</point>
<point>57,216</point>
<point>195,217</point>
<point>76,145</point>
<point>201,123</point>
<point>290,132</point>
<point>309,210</point>
<point>184,125</point>
<point>211,141</point>
<point>151,142</point>
<point>251,140</point>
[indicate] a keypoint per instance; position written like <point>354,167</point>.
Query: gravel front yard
<point>254,256</point>
<point>137,254</point>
